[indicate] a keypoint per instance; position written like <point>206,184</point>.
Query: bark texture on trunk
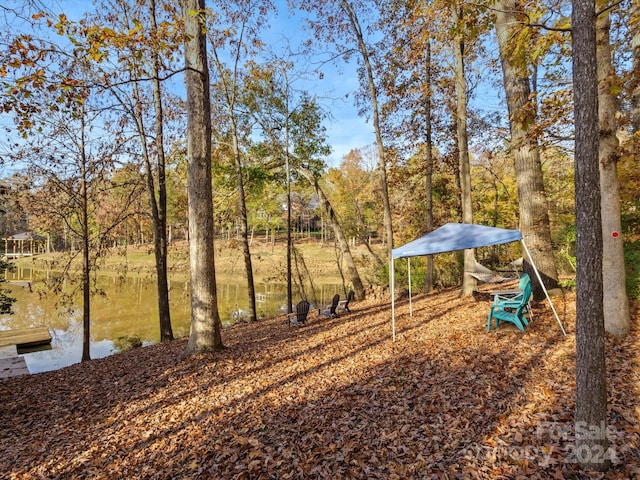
<point>205,333</point>
<point>591,386</point>
<point>534,213</point>
<point>428,281</point>
<point>159,210</point>
<point>469,282</point>
<point>616,303</point>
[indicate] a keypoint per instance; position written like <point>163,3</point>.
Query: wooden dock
<point>11,364</point>
<point>12,342</point>
<point>25,337</point>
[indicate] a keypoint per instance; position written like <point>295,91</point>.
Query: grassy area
<point>312,258</point>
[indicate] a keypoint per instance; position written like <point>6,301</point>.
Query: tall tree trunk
<point>205,332</point>
<point>591,386</point>
<point>230,85</point>
<point>534,214</point>
<point>358,287</point>
<point>160,210</point>
<point>469,282</point>
<point>244,230</point>
<point>156,204</point>
<point>375,110</point>
<point>287,168</point>
<point>635,45</point>
<point>616,303</point>
<point>86,266</point>
<point>160,253</point>
<point>428,280</point>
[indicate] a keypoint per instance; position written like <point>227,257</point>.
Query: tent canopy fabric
<point>456,236</point>
<point>451,237</point>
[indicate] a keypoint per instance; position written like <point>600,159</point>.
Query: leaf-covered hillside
<point>336,399</point>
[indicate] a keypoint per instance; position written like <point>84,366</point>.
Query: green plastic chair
<point>511,310</point>
<point>505,296</point>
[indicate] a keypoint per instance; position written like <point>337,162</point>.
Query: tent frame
<point>393,289</point>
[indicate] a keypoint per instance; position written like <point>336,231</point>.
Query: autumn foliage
<point>335,399</point>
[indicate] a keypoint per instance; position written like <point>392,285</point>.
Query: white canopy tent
<point>451,237</point>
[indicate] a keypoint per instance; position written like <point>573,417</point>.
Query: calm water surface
<point>125,308</point>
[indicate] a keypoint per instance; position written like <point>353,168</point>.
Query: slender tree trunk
<point>289,239</point>
<point>534,214</point>
<point>469,282</point>
<point>373,92</point>
<point>230,85</point>
<point>158,219</point>
<point>635,45</point>
<point>160,210</point>
<point>163,295</point>
<point>205,333</point>
<point>244,230</point>
<point>591,386</point>
<point>358,287</point>
<point>86,286</point>
<point>616,303</point>
<point>86,266</point>
<point>428,281</point>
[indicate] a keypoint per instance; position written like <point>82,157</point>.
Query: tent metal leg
<point>535,269</point>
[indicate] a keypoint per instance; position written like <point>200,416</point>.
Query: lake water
<point>124,309</point>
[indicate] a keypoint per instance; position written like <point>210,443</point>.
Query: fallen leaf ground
<point>336,399</point>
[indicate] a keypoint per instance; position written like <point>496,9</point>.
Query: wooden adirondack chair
<point>511,310</point>
<point>330,310</point>
<point>343,305</point>
<point>300,315</point>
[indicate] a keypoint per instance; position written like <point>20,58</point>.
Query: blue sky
<point>336,89</point>
<point>346,130</point>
